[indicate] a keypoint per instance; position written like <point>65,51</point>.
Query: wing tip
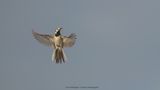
<point>33,32</point>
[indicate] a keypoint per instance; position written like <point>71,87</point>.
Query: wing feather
<point>70,40</point>
<point>44,38</point>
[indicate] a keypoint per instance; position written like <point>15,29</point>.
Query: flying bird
<point>56,41</point>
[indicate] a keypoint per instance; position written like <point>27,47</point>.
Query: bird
<point>57,42</point>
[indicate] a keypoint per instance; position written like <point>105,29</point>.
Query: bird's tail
<point>59,55</point>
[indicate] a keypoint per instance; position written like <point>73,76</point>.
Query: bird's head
<point>58,31</point>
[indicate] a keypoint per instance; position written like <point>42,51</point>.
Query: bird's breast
<point>58,41</point>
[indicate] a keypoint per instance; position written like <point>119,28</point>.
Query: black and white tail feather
<point>59,56</point>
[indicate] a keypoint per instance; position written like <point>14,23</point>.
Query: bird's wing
<point>69,41</point>
<point>44,39</point>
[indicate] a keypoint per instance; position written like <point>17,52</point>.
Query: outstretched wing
<point>44,39</point>
<point>69,41</point>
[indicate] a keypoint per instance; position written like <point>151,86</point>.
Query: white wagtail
<point>57,42</point>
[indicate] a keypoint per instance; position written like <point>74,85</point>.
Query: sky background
<point>117,47</point>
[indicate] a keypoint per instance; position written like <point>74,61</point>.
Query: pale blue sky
<point>118,46</point>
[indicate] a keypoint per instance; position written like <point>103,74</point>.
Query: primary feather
<point>44,38</point>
